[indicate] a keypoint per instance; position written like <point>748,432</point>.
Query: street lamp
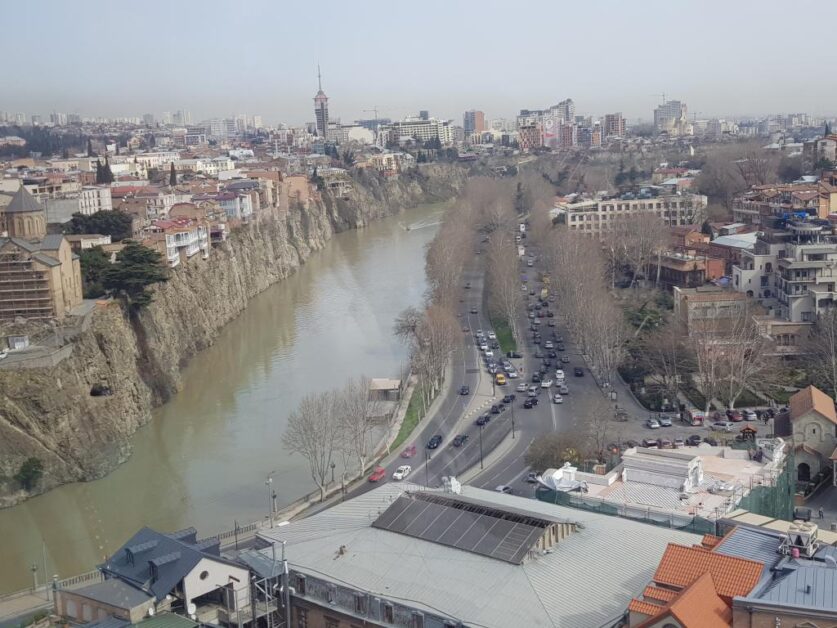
<point>332,472</point>
<point>512,407</point>
<point>269,484</point>
<point>481,428</point>
<point>426,471</point>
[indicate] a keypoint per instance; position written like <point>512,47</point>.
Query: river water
<point>204,458</point>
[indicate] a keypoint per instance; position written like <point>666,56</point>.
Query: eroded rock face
<point>49,413</point>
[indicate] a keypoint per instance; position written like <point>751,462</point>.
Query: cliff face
<point>48,413</point>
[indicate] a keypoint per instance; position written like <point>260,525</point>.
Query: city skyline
<point>716,77</point>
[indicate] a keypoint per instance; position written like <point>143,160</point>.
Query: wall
<point>218,574</point>
<point>48,413</point>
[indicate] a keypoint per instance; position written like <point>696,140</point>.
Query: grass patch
<point>411,419</point>
<point>504,334</point>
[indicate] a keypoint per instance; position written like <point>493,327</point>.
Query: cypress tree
<point>90,148</point>
<point>99,172</point>
<point>172,176</point>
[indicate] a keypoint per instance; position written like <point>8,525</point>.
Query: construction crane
<point>663,96</point>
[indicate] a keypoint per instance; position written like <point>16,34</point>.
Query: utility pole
<point>481,464</point>
<point>426,471</point>
<point>512,406</point>
<point>269,483</point>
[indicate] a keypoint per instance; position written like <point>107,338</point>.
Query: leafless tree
<point>643,236</point>
<point>757,166</point>
<point>447,255</point>
<point>745,357</point>
<point>553,450</point>
<point>314,431</point>
<point>357,413</point>
<point>503,282</point>
<point>666,355</point>
<point>597,433</point>
<point>822,351</point>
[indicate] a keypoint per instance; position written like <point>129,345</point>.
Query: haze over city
<point>216,59</point>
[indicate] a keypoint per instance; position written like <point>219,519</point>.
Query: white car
<point>512,374</point>
<point>546,383</point>
<point>402,472</point>
<point>483,347</point>
<point>492,335</point>
<point>557,398</point>
<point>559,374</point>
<point>524,288</point>
<point>522,387</point>
<point>548,345</point>
<point>488,354</point>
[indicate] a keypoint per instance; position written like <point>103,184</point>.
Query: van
<point>692,416</point>
<point>500,379</point>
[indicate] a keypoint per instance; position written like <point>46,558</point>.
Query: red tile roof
<point>680,566</point>
<point>657,594</point>
<point>644,608</point>
<point>697,606</point>
<point>710,540</point>
<point>812,398</point>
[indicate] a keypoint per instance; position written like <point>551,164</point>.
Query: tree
<point>503,282</point>
<point>357,413</point>
<point>90,152</point>
<point>30,473</point>
<point>313,432</point>
<point>822,351</point>
<point>666,357</point>
<point>172,175</point>
<point>94,263</point>
<point>720,179</point>
<point>551,451</point>
<point>745,361</point>
<point>117,224</point>
<point>137,267</point>
<point>520,204</point>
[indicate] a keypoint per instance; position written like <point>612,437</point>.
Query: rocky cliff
<point>49,413</point>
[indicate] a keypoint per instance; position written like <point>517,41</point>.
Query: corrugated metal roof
<point>754,544</point>
<point>808,586</point>
<point>551,589</point>
<point>114,592</point>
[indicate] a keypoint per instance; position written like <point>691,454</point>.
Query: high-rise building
<point>321,107</point>
<point>424,114</point>
<point>167,119</point>
<point>257,122</point>
<point>36,119</point>
<point>566,110</point>
<point>20,118</point>
<point>670,116</point>
<point>614,125</point>
<point>148,119</point>
<point>473,122</point>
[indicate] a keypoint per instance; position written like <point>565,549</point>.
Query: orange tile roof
<point>680,566</point>
<point>645,608</point>
<point>697,606</point>
<point>812,398</point>
<point>656,593</point>
<point>710,540</point>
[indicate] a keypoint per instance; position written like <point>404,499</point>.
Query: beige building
<point>708,308</point>
<point>23,217</point>
<point>812,423</point>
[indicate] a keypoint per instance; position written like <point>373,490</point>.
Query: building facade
<point>473,122</point>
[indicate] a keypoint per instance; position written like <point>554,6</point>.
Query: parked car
<point>504,488</point>
<point>734,415</point>
<point>578,371</point>
<point>694,440</point>
<point>722,426</point>
<point>679,442</point>
<point>513,354</point>
<point>483,419</point>
<point>409,451</point>
<point>710,441</point>
<point>651,443</point>
<point>497,408</point>
<point>460,440</point>
<point>402,472</point>
<point>557,398</point>
<point>377,474</point>
<point>652,423</point>
<point>465,390</point>
<point>665,443</point>
<point>750,415</point>
<point>665,420</point>
<point>434,441</point>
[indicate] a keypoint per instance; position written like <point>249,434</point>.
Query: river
<point>204,458</point>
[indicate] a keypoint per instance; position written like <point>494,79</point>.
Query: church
<point>40,276</point>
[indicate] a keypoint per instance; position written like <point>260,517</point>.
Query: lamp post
<point>332,472</point>
<point>426,470</point>
<point>269,484</point>
<point>481,427</point>
<point>512,407</point>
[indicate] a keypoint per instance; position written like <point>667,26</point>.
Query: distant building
<point>614,125</point>
<point>529,137</point>
<point>321,107</point>
<point>473,122</point>
<point>708,309</point>
<point>671,117</point>
<point>418,130</point>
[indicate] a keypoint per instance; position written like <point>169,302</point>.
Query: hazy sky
<point>219,58</point>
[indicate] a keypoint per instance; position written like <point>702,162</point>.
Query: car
<point>550,314</point>
<point>532,393</point>
<point>750,415</point>
<point>483,346</point>
<point>548,345</point>
<point>532,477</point>
<point>665,444</point>
<point>565,359</point>
<point>497,408</point>
<point>504,488</point>
<point>578,371</point>
<point>509,398</point>
<point>546,383</point>
<point>650,443</point>
<point>434,441</point>
<point>536,377</point>
<point>402,472</point>
<point>522,387</point>
<point>722,426</point>
<point>539,354</point>
<point>513,354</point>
<point>483,419</point>
<point>552,355</point>
<point>557,398</point>
<point>559,373</point>
<point>492,369</point>
<point>664,420</point>
<point>551,323</point>
<point>536,341</point>
<point>694,440</point>
<point>500,379</point>
<point>468,285</point>
<point>506,365</point>
<point>378,473</point>
<point>488,354</point>
<point>530,403</point>
<point>652,423</point>
<point>524,288</point>
<point>631,443</point>
<point>532,315</point>
<point>460,440</point>
<point>562,388</point>
<point>474,310</point>
<point>464,390</point>
<point>512,374</point>
<point>731,415</point>
<point>710,441</point>
<point>492,335</point>
<point>679,442</point>
<point>409,451</point>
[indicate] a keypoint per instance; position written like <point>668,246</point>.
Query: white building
<point>95,199</point>
<point>598,215</point>
<point>209,167</point>
<point>419,130</point>
<point>156,159</point>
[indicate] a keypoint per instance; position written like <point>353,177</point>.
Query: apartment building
<point>95,199</point>
<point>596,216</point>
<point>529,137</point>
<point>792,270</point>
<point>614,125</point>
<point>178,240</point>
<point>209,167</point>
<point>708,309</point>
<point>473,121</point>
<point>762,203</point>
<point>419,130</point>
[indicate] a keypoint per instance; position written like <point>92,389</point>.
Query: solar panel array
<point>470,527</point>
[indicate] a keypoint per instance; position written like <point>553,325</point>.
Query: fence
<point>772,495</point>
<point>646,514</point>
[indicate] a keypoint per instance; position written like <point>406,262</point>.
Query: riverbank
<point>48,413</point>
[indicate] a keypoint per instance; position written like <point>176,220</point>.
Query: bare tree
<point>757,166</point>
<point>822,351</point>
<point>314,431</point>
<point>357,412</point>
<point>447,255</point>
<point>667,357</point>
<point>503,283</point>
<point>745,357</point>
<point>644,235</point>
<point>553,450</point>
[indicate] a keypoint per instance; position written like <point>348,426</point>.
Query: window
<point>300,584</point>
<point>330,622</point>
<point>389,613</point>
<point>360,604</point>
<point>301,618</point>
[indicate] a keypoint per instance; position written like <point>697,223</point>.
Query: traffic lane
<point>449,460</point>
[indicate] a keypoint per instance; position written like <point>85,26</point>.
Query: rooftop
<point>812,398</point>
<point>550,588</point>
<point>681,566</point>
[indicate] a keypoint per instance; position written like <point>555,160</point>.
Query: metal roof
<point>23,201</point>
<point>753,543</point>
<point>114,592</point>
<point>806,585</point>
<point>611,556</point>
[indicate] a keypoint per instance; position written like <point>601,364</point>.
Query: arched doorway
<point>803,472</point>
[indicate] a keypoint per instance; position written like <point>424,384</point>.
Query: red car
<point>734,415</point>
<point>409,451</point>
<point>377,474</point>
